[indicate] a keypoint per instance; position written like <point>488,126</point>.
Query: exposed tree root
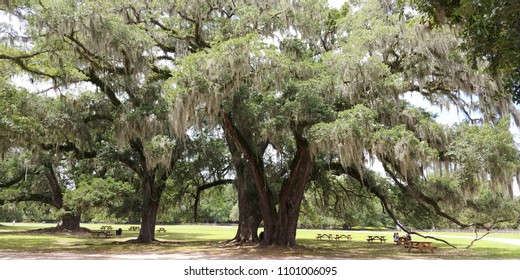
<point>58,229</point>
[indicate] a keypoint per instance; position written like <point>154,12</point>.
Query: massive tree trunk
<point>153,182</point>
<point>279,225</point>
<point>249,217</point>
<point>149,218</point>
<point>249,210</point>
<point>70,222</point>
<point>151,191</point>
<point>291,195</point>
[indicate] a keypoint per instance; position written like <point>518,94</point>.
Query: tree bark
<point>291,196</point>
<point>249,210</point>
<point>149,218</point>
<point>279,226</point>
<point>151,198</point>
<point>249,217</point>
<point>152,185</point>
<point>70,222</point>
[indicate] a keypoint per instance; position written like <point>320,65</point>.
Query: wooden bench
<point>106,228</point>
<point>161,229</point>
<point>101,233</point>
<point>420,245</point>
<point>371,238</point>
<point>134,228</point>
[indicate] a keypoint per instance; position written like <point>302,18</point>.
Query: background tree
<point>384,57</point>
<point>204,165</point>
<point>36,170</point>
<point>118,51</point>
<point>490,30</point>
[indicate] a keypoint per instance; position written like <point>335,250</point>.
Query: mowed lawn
<point>210,241</point>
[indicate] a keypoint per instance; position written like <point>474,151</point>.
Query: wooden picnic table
<point>161,229</point>
<point>336,237</point>
<point>106,228</point>
<point>320,236</point>
<point>346,236</point>
<point>372,238</point>
<point>132,228</point>
<point>402,240</point>
<point>420,245</point>
<point>101,233</point>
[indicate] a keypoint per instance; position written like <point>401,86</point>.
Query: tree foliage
<point>490,30</point>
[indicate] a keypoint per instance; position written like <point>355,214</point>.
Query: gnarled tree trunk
<point>70,222</point>
<point>279,225</point>
<point>249,210</point>
<point>249,217</point>
<point>151,198</point>
<point>291,195</point>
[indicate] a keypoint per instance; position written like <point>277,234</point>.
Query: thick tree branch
<point>372,186</point>
<point>21,63</point>
<point>106,89</point>
<point>13,181</point>
<point>69,147</point>
<point>43,198</point>
<point>98,117</point>
<point>421,197</point>
<point>57,195</point>
<point>95,60</point>
<point>128,160</point>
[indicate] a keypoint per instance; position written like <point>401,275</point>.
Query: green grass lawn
<point>209,240</point>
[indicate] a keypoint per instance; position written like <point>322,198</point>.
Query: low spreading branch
<point>200,189</point>
<point>372,186</point>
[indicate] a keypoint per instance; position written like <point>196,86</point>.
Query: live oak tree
<point>354,86</point>
<point>41,164</point>
<point>32,170</point>
<point>280,91</point>
<point>288,81</point>
<point>119,53</point>
<point>445,169</point>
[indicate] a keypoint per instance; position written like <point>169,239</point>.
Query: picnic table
<point>372,238</point>
<point>336,237</point>
<point>132,228</point>
<point>161,229</point>
<point>106,228</point>
<point>420,245</point>
<point>320,236</point>
<point>346,236</point>
<point>101,233</point>
<point>402,240</point>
